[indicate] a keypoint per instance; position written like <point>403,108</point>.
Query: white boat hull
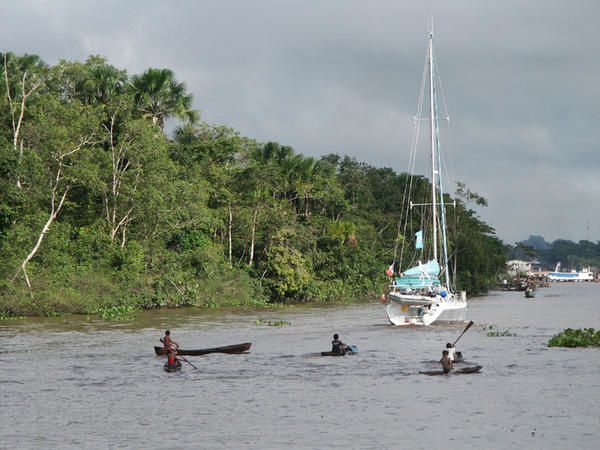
<point>446,310</point>
<point>570,276</point>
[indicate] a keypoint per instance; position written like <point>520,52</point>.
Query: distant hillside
<point>571,254</point>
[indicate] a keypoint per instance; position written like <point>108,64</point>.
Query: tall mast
<point>432,118</point>
<point>436,176</point>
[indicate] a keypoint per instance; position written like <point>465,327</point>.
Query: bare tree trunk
<point>17,119</point>
<point>306,208</point>
<point>254,221</point>
<point>118,223</point>
<point>54,209</point>
<point>230,229</point>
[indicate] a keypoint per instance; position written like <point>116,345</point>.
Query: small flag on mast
<point>419,239</point>
<point>390,270</point>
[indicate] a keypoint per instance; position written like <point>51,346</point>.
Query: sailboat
<point>423,293</point>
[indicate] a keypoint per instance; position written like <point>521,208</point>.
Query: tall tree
<point>58,135</point>
<point>23,77</point>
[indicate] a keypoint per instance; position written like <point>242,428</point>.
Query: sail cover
<point>419,277</point>
<point>429,269</point>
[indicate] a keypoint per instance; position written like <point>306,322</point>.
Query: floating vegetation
<point>120,312</point>
<point>497,333</point>
<point>7,316</point>
<point>275,323</point>
<point>491,332</point>
<point>210,304</point>
<point>580,337</point>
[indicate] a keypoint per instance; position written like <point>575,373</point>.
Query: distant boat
<point>423,294</point>
<point>557,275</point>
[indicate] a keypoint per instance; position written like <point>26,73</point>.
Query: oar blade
<point>464,331</point>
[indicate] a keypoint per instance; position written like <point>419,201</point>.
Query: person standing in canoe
<point>168,343</point>
<point>446,362</point>
<point>338,346</point>
<point>172,361</point>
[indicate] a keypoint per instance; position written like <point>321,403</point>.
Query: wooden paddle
<point>179,356</point>
<point>174,347</point>
<point>464,331</point>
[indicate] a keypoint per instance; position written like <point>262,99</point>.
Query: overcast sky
<point>521,81</point>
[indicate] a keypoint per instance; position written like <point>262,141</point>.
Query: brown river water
<point>78,384</point>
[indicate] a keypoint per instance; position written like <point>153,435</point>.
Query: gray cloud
<point>520,79</point>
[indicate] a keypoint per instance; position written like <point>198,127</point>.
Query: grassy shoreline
<point>123,308</point>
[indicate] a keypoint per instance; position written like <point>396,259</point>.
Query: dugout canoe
<point>466,370</point>
<point>352,349</point>
<point>231,349</point>
<point>168,368</point>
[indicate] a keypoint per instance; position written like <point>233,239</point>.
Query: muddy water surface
<point>77,383</point>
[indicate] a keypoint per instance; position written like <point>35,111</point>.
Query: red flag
<point>390,270</point>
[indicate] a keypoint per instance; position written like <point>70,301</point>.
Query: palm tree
<point>158,96</point>
<point>107,82</point>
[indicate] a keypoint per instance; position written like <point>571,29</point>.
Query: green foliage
<point>289,271</point>
<point>586,337</point>
<point>117,312</point>
<point>6,316</point>
<point>158,96</point>
<point>209,219</point>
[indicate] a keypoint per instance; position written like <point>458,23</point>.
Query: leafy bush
<point>586,337</point>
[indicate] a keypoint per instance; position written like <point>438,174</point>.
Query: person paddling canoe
<point>338,346</point>
<point>168,343</point>
<point>446,362</point>
<point>172,361</point>
<point>451,351</point>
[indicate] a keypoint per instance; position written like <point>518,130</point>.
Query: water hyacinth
<point>120,312</point>
<point>580,337</point>
<point>276,323</point>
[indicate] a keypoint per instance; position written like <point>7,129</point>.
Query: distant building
<point>517,266</point>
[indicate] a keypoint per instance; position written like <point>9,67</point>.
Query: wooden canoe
<point>472,369</point>
<point>352,349</point>
<point>231,349</point>
<point>172,369</point>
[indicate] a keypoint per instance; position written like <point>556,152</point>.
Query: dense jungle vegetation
<point>100,209</point>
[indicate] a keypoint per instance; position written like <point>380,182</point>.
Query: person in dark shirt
<point>338,346</point>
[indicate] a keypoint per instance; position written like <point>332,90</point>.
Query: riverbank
<point>110,306</point>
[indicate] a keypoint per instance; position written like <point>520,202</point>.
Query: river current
<point>73,383</point>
